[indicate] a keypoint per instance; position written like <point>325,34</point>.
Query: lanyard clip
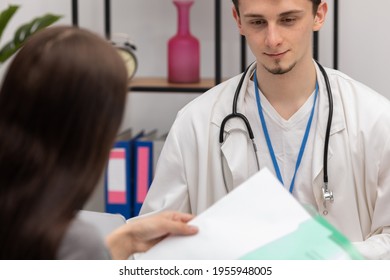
<point>327,194</point>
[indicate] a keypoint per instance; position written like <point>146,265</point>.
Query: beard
<point>278,69</point>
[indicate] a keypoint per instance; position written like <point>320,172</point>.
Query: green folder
<point>315,239</point>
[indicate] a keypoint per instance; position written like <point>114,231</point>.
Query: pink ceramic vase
<point>183,48</point>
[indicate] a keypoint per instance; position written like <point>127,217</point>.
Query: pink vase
<point>183,48</point>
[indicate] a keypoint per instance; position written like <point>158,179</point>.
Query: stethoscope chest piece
<point>327,196</point>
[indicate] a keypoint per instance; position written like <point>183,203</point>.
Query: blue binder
<point>119,177</point>
<point>143,169</point>
<point>147,151</point>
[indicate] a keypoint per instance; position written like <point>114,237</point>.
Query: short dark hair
<point>316,3</point>
<point>61,105</point>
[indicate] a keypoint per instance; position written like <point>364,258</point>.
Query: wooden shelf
<point>162,85</point>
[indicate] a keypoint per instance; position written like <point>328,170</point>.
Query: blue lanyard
<point>267,138</point>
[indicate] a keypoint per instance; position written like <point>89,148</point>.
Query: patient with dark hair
<point>61,104</point>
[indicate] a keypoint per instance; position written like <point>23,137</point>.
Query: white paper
<point>257,212</point>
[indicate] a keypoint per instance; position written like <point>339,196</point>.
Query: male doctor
<point>288,109</point>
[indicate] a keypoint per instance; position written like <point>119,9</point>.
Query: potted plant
<point>23,32</point>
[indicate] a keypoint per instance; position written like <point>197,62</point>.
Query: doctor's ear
<point>319,18</point>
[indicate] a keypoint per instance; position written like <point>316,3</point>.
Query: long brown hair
<point>61,104</point>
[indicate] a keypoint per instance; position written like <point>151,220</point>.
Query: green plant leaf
<point>5,17</point>
<point>7,51</point>
<point>25,31</point>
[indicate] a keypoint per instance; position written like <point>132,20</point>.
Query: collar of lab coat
<point>225,105</point>
<point>235,148</point>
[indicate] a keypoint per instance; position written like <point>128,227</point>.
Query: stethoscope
<point>327,194</point>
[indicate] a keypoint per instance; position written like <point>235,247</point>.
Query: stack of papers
<point>257,220</point>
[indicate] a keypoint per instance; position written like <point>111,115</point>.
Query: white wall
<point>365,42</point>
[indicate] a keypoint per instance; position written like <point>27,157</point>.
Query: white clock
<point>126,51</point>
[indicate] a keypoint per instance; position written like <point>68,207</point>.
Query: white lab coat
<point>189,173</point>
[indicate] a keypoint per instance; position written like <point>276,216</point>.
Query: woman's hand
<point>142,233</point>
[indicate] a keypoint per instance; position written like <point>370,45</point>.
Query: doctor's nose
<point>273,36</point>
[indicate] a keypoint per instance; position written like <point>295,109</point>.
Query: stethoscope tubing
<point>236,114</point>
<point>329,122</point>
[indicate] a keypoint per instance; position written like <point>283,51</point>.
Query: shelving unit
<point>161,84</point>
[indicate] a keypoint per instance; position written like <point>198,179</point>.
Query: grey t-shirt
<point>82,241</point>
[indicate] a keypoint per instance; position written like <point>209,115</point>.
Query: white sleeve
<point>169,187</point>
<point>375,248</point>
<point>377,244</point>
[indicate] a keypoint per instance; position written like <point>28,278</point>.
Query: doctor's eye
<point>258,22</point>
<point>288,20</point>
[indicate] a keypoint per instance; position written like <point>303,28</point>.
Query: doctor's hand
<point>141,234</point>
